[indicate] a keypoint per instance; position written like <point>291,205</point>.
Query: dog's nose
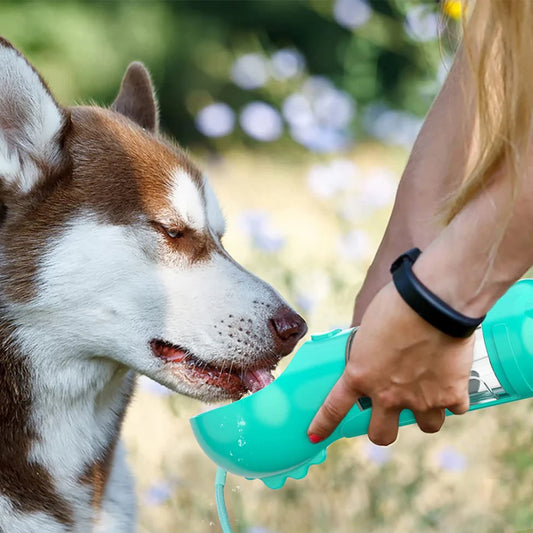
<point>287,327</point>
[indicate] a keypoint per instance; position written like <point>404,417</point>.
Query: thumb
<point>338,402</point>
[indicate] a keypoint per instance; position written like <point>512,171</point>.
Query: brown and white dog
<point>111,264</point>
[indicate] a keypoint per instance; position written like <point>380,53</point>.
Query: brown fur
<point>112,168</point>
<point>97,474</point>
<point>28,486</point>
<point>115,170</point>
<point>136,98</point>
<point>195,245</point>
<point>120,172</point>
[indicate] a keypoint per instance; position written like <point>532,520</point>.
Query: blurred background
<point>303,113</point>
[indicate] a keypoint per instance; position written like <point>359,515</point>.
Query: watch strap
<point>426,304</point>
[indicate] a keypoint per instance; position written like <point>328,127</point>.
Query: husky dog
<point>111,264</point>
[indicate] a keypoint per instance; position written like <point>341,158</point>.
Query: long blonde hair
<point>498,41</point>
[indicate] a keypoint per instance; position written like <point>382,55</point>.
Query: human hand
<point>400,362</point>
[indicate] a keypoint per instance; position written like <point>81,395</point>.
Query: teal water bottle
<point>264,435</point>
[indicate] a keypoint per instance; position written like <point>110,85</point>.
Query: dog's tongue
<point>255,380</point>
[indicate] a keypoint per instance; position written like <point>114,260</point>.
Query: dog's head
<point>110,245</point>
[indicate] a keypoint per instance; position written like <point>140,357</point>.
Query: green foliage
<point>83,47</point>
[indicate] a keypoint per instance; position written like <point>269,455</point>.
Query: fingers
<point>383,428</point>
<point>461,407</point>
<point>339,401</point>
<point>430,421</point>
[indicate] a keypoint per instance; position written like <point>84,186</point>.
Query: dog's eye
<point>172,233</point>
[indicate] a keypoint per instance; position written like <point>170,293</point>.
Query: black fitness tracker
<point>426,304</point>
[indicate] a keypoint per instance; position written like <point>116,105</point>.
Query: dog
<point>111,265</point>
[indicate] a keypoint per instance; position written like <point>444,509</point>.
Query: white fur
<point>113,303</point>
<point>104,292</point>
<point>213,297</point>
<point>24,101</point>
<point>75,425</point>
<point>187,201</point>
<point>76,396</point>
<point>215,217</point>
<point>118,514</point>
<point>14,521</point>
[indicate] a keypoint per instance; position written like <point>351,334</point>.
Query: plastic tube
<point>220,482</point>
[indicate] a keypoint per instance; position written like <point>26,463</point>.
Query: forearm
<point>435,169</point>
<point>486,248</point>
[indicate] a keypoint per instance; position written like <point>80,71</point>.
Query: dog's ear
<point>136,99</point>
<point>32,124</point>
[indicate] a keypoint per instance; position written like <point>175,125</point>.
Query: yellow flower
<point>452,8</point>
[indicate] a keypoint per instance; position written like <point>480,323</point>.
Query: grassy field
<point>310,226</point>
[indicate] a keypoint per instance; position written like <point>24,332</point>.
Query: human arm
<point>434,170</point>
<point>398,359</point>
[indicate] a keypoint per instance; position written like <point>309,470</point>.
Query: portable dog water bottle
<point>264,435</point>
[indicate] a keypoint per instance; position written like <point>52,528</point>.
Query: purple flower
<point>158,493</point>
<point>334,108</point>
<point>287,63</point>
<point>392,127</point>
<point>261,231</point>
<point>250,71</point>
<point>321,139</point>
<point>336,177</point>
<point>452,460</point>
<point>297,110</point>
<point>261,121</point>
<point>352,13</point>
<point>378,454</point>
<point>216,120</point>
<point>421,23</point>
<point>319,115</point>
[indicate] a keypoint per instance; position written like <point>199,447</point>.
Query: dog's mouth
<point>234,381</point>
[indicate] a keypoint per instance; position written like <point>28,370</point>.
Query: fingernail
<point>314,439</point>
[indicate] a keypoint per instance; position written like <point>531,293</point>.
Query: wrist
<point>406,319</point>
<point>467,285</point>
<point>426,303</point>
